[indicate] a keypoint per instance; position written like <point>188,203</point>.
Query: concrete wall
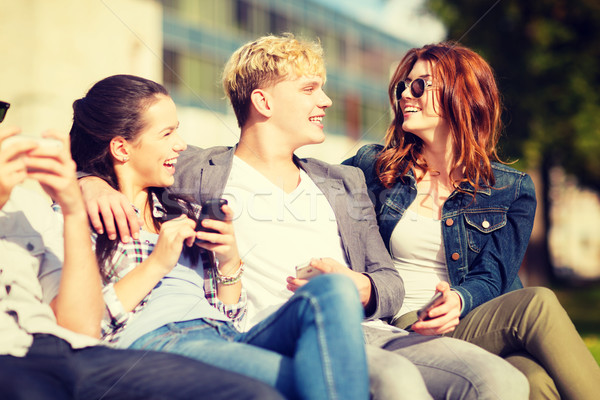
<point>53,51</point>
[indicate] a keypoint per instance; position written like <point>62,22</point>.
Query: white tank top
<point>417,250</point>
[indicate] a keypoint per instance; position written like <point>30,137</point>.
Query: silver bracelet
<point>230,279</point>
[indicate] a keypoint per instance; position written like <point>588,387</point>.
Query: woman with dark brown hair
<point>456,221</point>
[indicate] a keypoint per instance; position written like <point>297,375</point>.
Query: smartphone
<point>210,209</point>
<point>305,271</point>
<point>435,301</point>
<point>47,143</point>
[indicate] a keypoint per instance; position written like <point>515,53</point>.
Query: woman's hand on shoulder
<point>443,318</point>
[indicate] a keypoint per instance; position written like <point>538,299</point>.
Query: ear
<point>260,100</point>
<point>119,149</point>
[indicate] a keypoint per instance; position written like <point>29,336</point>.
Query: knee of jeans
<point>541,385</point>
<point>519,385</point>
<point>335,285</point>
<point>506,383</point>
<point>392,369</point>
<point>543,299</point>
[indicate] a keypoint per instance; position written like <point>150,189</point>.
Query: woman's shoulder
<point>365,159</point>
<point>509,176</point>
<point>365,156</point>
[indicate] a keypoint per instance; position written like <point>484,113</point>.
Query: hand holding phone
<point>435,301</point>
<point>43,142</point>
<point>306,271</point>
<point>210,209</point>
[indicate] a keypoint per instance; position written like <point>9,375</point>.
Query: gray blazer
<point>203,173</point>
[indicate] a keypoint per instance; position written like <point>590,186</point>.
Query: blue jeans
<point>52,370</point>
<point>310,348</point>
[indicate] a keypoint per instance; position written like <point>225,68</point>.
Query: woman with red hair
<point>456,221</point>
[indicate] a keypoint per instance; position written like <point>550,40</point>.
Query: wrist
<point>460,299</point>
<point>72,206</point>
<point>365,290</point>
<point>228,267</point>
<point>233,274</point>
<point>3,199</point>
<point>156,267</point>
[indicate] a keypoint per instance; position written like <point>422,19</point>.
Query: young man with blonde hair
<point>291,210</point>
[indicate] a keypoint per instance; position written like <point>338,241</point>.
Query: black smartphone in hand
<point>210,209</point>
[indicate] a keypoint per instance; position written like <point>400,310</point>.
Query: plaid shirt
<point>127,257</point>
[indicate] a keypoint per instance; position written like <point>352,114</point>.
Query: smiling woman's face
<point>154,153</point>
<point>421,115</point>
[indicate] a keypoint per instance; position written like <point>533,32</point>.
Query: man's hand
<point>105,204</point>
<point>444,317</point>
<point>330,266</point>
<point>13,169</point>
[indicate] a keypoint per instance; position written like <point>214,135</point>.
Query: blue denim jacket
<point>484,240</point>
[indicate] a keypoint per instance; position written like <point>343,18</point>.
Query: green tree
<point>546,54</point>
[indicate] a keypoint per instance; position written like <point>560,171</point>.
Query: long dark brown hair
<point>115,107</point>
<point>469,101</point>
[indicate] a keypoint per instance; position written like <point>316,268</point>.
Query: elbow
<point>89,328</point>
<point>85,323</point>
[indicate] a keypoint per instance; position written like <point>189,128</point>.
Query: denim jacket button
<point>449,222</point>
<point>485,224</point>
<point>455,256</point>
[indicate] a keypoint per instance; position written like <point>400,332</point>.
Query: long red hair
<point>468,100</point>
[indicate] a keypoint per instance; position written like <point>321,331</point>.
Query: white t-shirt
<point>417,250</point>
<point>276,231</point>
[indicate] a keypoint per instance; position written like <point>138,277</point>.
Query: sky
<point>405,19</point>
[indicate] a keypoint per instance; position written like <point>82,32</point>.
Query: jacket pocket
<point>481,225</point>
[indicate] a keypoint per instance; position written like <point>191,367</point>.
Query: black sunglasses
<point>417,87</point>
<point>3,109</point>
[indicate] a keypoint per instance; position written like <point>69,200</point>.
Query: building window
<point>278,24</point>
<point>243,15</point>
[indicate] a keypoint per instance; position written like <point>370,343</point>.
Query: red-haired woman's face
<point>421,114</point>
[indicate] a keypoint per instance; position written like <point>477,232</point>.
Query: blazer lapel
<point>335,193</point>
<point>214,174</point>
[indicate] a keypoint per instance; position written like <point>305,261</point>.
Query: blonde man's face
<point>298,107</point>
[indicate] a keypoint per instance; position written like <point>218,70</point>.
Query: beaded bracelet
<point>230,279</point>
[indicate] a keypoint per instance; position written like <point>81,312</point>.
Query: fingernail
<point>112,237</point>
<point>136,235</point>
<point>126,239</point>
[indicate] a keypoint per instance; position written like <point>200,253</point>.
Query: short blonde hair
<point>266,61</point>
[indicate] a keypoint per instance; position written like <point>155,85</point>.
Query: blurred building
<point>200,35</point>
<point>574,237</point>
<point>53,51</point>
